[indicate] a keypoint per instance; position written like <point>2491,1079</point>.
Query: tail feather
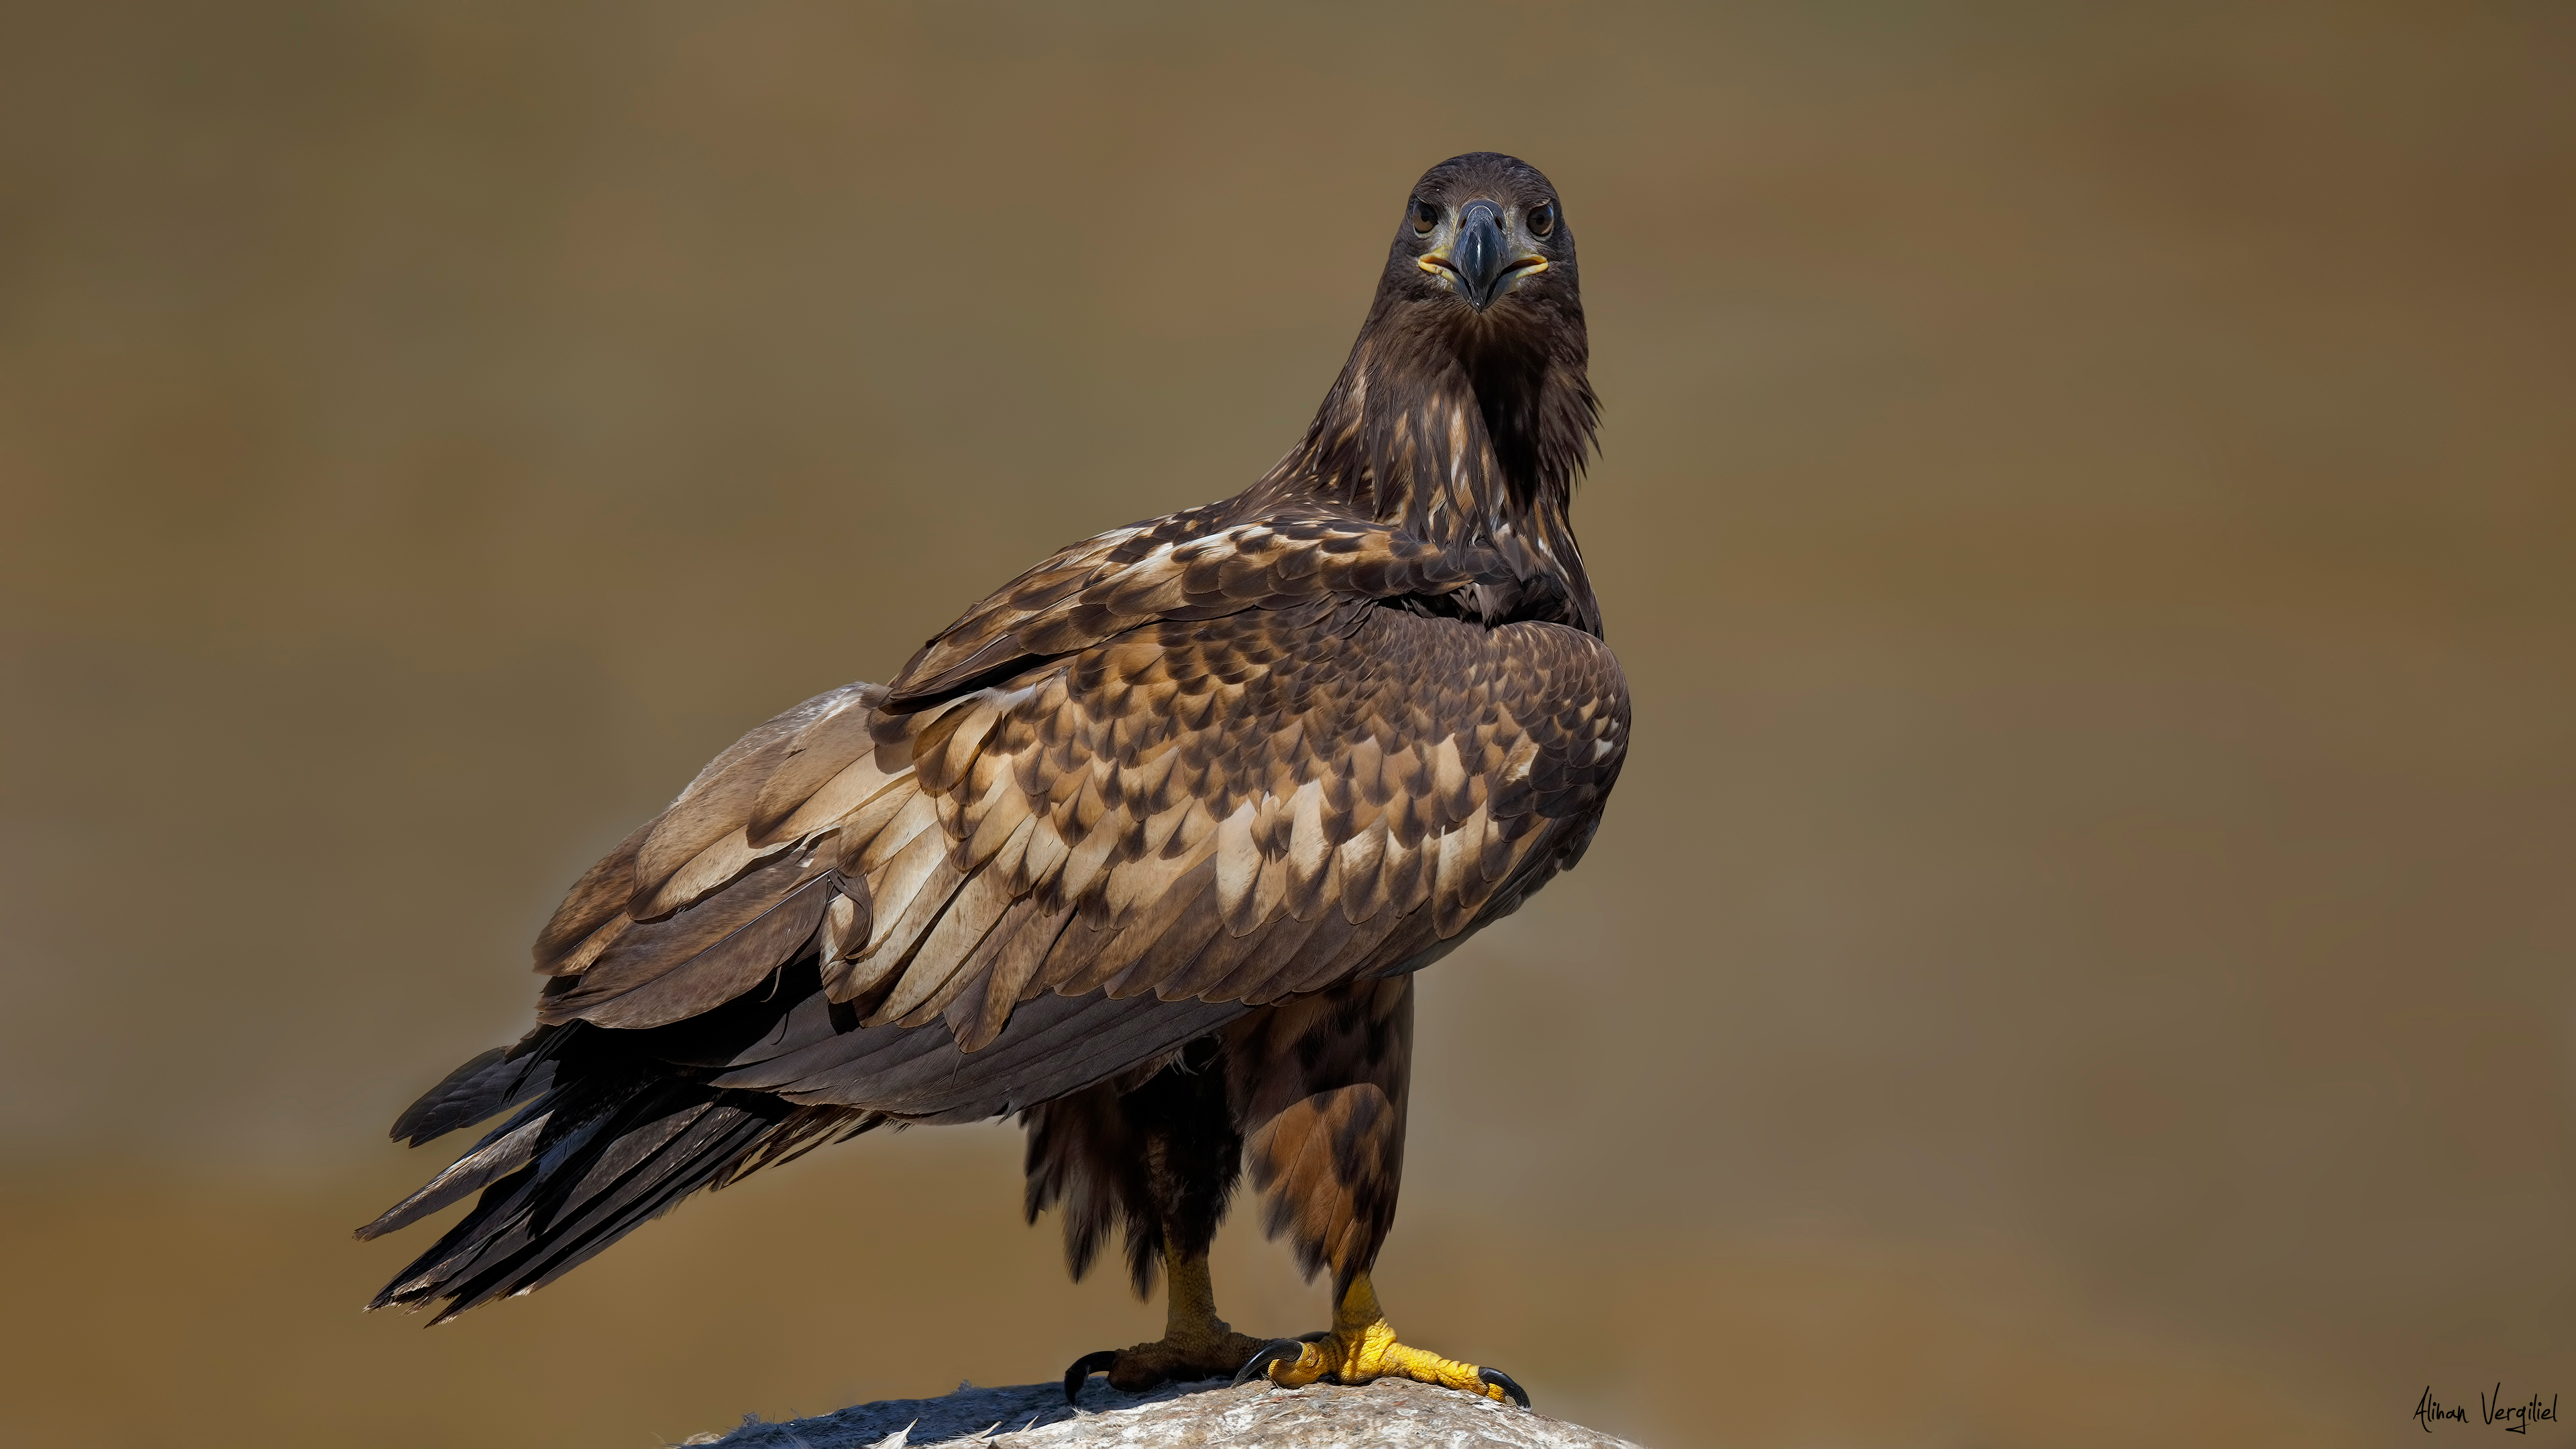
<point>490,1082</point>
<point>588,1161</point>
<point>503,1150</point>
<point>705,1155</point>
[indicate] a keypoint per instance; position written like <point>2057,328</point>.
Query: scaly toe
<point>1163,1361</point>
<point>1361,1354</point>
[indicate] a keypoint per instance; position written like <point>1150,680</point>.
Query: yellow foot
<point>1196,1344</point>
<point>1362,1347</point>
<point>1165,1360</point>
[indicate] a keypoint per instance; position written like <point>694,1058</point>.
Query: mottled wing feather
<point>1198,764</point>
<point>1188,566</point>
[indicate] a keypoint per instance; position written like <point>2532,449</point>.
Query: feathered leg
<point>1321,1084</point>
<point>1161,1159</point>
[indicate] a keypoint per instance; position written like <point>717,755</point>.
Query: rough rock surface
<point>1035,1416</point>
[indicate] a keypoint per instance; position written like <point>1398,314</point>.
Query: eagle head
<point>1465,411</point>
<point>1483,241</point>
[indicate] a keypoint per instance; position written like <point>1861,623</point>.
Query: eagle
<point>1144,848</point>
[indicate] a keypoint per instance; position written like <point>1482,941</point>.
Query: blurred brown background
<point>2082,950</point>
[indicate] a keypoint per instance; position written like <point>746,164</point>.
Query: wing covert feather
<point>1167,767</point>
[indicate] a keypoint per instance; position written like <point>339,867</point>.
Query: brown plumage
<point>1144,847</point>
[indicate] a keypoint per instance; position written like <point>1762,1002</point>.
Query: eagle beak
<point>1480,259</point>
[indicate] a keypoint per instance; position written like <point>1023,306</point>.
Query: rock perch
<point>1393,1412</point>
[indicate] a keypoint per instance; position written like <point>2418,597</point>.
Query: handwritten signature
<point>2516,1418</point>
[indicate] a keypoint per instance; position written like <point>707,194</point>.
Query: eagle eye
<point>1542,218</point>
<point>1425,217</point>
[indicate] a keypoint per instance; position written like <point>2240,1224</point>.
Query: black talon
<point>1083,1368</point>
<point>1268,1354</point>
<point>1501,1380</point>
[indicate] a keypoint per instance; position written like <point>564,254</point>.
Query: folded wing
<point>1157,781</point>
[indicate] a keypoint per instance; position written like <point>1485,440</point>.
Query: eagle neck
<point>1462,449</point>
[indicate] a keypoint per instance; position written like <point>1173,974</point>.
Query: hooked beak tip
<point>1482,256</point>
